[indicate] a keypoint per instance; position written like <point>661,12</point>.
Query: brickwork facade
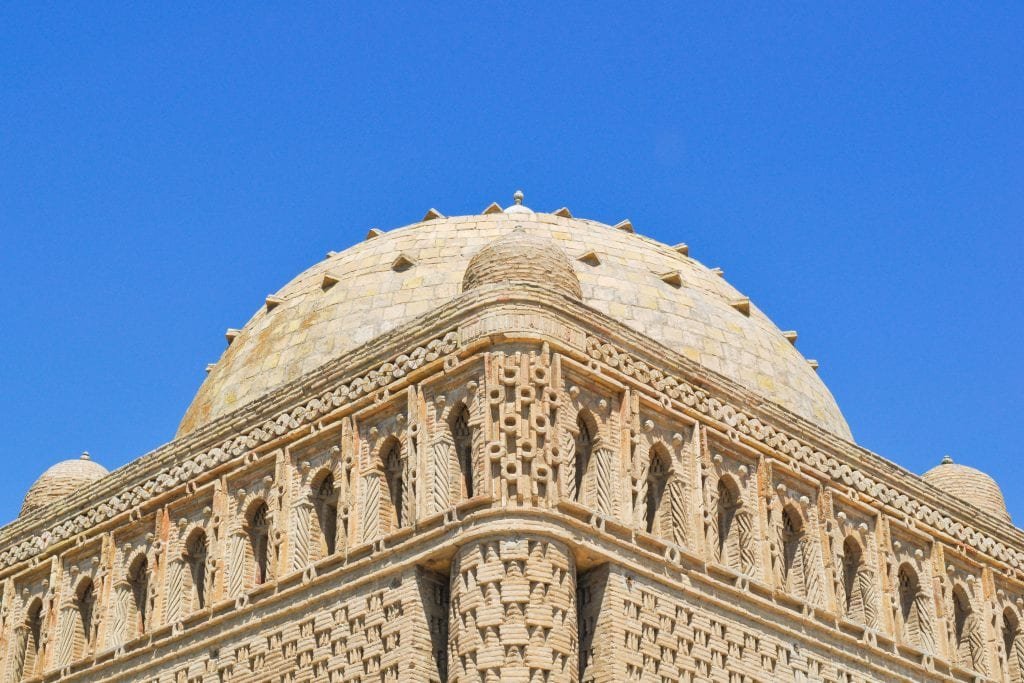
<point>515,487</point>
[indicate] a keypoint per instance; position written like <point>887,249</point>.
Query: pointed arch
<point>391,461</point>
<point>138,583</point>
<point>324,495</point>
<point>196,557</point>
<point>462,440</point>
<point>968,642</point>
<point>792,559</point>
<point>29,655</point>
<point>82,628</point>
<point>656,513</point>
<point>257,528</point>
<point>728,550</point>
<point>855,580</point>
<point>583,460</point>
<point>914,614</point>
<point>1013,646</point>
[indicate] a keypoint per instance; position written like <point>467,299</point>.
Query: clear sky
<point>858,171</point>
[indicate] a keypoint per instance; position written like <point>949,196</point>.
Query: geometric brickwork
<point>512,447</point>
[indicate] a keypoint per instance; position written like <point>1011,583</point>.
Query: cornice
<point>478,319</point>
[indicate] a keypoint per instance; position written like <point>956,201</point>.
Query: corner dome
<point>969,485</point>
<point>61,480</point>
<point>359,294</point>
<point>519,257</point>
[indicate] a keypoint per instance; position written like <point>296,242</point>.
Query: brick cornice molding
<point>468,324</point>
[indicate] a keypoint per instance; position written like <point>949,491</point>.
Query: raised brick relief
<point>513,612</point>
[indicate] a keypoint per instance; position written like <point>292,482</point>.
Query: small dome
<point>520,257</point>
<point>969,485</point>
<point>62,480</point>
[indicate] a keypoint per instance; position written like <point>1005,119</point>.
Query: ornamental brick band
<point>534,477</point>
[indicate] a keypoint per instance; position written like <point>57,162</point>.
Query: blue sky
<point>857,170</point>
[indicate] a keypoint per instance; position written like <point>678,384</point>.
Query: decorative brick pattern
<point>513,613</point>
<point>518,488</point>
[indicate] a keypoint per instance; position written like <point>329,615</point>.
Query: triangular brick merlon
<point>401,263</point>
<point>742,305</point>
<point>672,277</point>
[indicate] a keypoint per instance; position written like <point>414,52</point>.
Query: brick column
<point>513,613</point>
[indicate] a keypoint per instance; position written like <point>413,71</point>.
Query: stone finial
<point>85,456</point>
<point>518,207</point>
<point>946,460</point>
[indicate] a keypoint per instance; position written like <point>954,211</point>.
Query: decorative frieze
<point>741,423</point>
<point>232,448</point>
<point>522,426</point>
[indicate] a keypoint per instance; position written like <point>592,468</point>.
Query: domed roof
<point>61,480</point>
<point>969,485</point>
<point>392,277</point>
<point>519,257</point>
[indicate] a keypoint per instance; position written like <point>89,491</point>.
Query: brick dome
<point>62,480</point>
<point>393,277</point>
<point>969,485</point>
<point>519,257</point>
